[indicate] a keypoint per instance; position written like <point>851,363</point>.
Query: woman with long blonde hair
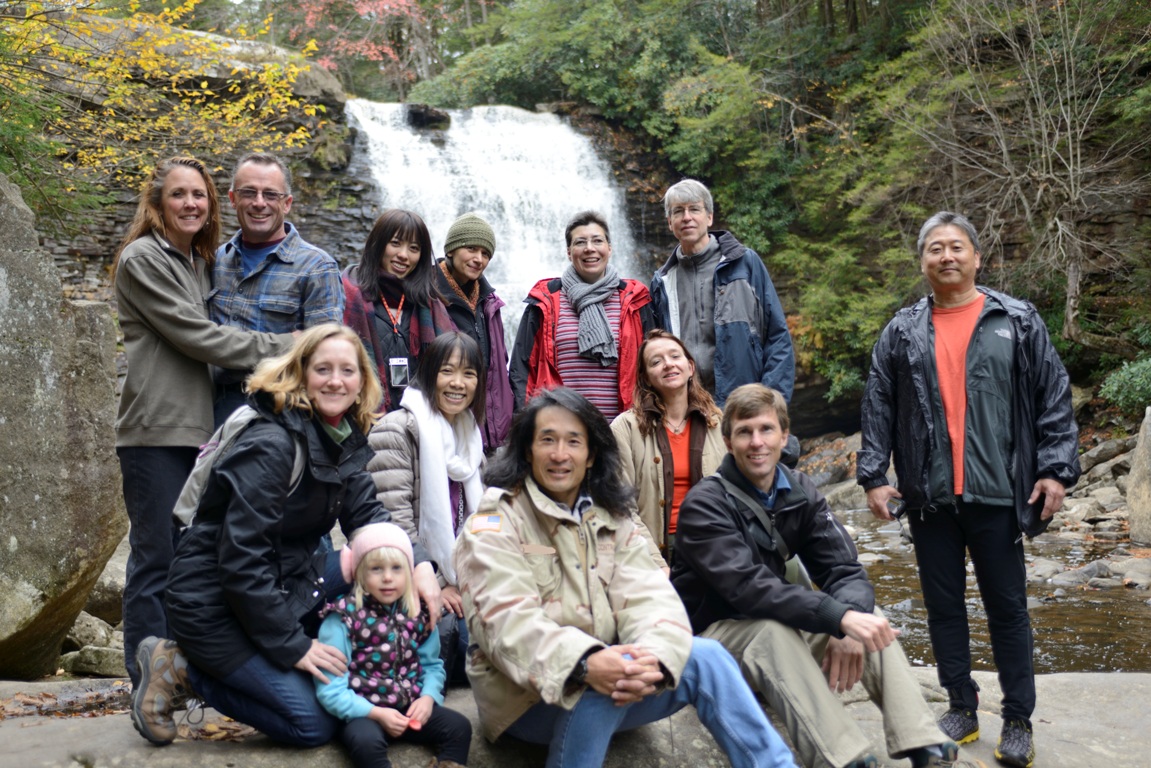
<point>247,581</point>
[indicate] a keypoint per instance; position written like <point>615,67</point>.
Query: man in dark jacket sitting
<point>969,394</point>
<point>796,646</point>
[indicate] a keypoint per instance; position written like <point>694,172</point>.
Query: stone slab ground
<point>1084,720</point>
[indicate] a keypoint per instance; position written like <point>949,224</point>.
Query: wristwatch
<point>579,676</point>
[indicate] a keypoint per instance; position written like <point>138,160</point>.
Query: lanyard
<point>396,316</point>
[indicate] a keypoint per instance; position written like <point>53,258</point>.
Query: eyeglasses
<point>584,242</point>
<point>680,211</point>
<point>270,195</point>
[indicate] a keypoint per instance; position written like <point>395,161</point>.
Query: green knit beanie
<point>470,229</point>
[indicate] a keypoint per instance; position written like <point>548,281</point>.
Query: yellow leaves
<point>148,86</point>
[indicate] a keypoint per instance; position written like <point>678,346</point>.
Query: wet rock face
<point>1139,485</point>
<point>61,510</point>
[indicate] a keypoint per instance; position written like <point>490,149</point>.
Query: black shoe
<point>1016,747</point>
<point>960,725</point>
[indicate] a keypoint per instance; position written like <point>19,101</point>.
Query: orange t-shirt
<point>681,467</point>
<point>953,329</point>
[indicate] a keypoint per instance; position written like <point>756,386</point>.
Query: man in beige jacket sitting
<point>576,632</point>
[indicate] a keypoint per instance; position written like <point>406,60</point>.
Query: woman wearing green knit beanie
<point>475,309</point>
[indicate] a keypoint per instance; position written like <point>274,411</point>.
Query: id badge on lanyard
<point>398,371</point>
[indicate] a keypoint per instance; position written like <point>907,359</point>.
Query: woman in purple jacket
<point>475,310</point>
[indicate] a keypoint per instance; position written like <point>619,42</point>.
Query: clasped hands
<point>627,673</point>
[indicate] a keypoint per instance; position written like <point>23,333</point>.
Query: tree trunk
<point>851,12</point>
<point>827,12</point>
<point>1073,330</point>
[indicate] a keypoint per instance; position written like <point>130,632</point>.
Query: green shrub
<point>1129,388</point>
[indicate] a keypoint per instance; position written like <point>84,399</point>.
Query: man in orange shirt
<point>968,392</point>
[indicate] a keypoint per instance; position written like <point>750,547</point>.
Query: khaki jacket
<point>170,342</point>
<point>648,468</point>
<point>541,589</point>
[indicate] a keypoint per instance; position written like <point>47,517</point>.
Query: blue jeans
<point>281,703</point>
<point>711,681</point>
<point>153,478</point>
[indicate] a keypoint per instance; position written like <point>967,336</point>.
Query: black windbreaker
<point>898,413</point>
<point>246,573</point>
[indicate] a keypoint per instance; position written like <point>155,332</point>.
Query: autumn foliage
<point>93,94</point>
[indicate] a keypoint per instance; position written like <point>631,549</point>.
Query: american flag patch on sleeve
<point>486,522</point>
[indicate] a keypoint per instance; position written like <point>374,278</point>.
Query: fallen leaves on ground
<point>224,729</point>
<point>113,700</point>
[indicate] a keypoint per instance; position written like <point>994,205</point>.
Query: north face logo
<point>1003,332</point>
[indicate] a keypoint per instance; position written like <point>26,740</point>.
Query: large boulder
<point>61,510</point>
<point>1139,484</point>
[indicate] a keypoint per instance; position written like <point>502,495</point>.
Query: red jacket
<point>533,365</point>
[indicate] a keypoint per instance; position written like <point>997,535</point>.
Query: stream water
<point>1076,630</point>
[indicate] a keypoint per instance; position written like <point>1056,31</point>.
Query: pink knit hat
<point>371,537</point>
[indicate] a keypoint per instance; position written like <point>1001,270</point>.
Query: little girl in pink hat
<point>393,685</point>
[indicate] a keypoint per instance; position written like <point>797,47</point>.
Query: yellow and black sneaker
<point>1016,747</point>
<point>960,725</point>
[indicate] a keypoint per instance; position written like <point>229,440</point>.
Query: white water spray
<point>525,173</point>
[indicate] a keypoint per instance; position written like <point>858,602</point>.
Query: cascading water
<point>526,173</point>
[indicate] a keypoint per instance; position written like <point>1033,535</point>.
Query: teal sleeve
<point>335,696</point>
<point>432,666</point>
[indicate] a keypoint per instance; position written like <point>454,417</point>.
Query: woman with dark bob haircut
<point>391,301</point>
<point>162,280</point>
<point>604,481</point>
<point>427,462</point>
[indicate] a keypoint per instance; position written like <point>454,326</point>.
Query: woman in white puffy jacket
<point>427,462</point>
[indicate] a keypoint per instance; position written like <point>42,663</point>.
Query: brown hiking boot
<point>163,686</point>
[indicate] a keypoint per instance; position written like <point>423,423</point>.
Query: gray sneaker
<point>960,725</point>
<point>1016,748</point>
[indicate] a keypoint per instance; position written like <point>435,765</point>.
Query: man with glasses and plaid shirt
<point>267,277</point>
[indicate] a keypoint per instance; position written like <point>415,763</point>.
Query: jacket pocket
<point>545,570</point>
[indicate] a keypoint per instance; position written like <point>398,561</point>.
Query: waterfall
<point>525,173</point>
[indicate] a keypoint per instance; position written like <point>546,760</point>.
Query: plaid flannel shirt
<point>296,287</point>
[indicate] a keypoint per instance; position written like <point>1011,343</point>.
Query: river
<point>1076,630</point>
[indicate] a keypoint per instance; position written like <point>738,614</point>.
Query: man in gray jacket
<point>715,294</point>
<point>968,392</point>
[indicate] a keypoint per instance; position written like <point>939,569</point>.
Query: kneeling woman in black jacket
<point>247,580</point>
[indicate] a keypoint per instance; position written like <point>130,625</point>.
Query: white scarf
<point>460,448</point>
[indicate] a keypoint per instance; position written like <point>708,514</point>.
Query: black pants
<point>368,744</point>
<point>153,478</point>
<point>991,535</point>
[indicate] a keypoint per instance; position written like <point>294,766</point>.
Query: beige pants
<point>783,664</point>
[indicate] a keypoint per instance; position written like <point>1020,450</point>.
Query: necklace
<point>676,428</point>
